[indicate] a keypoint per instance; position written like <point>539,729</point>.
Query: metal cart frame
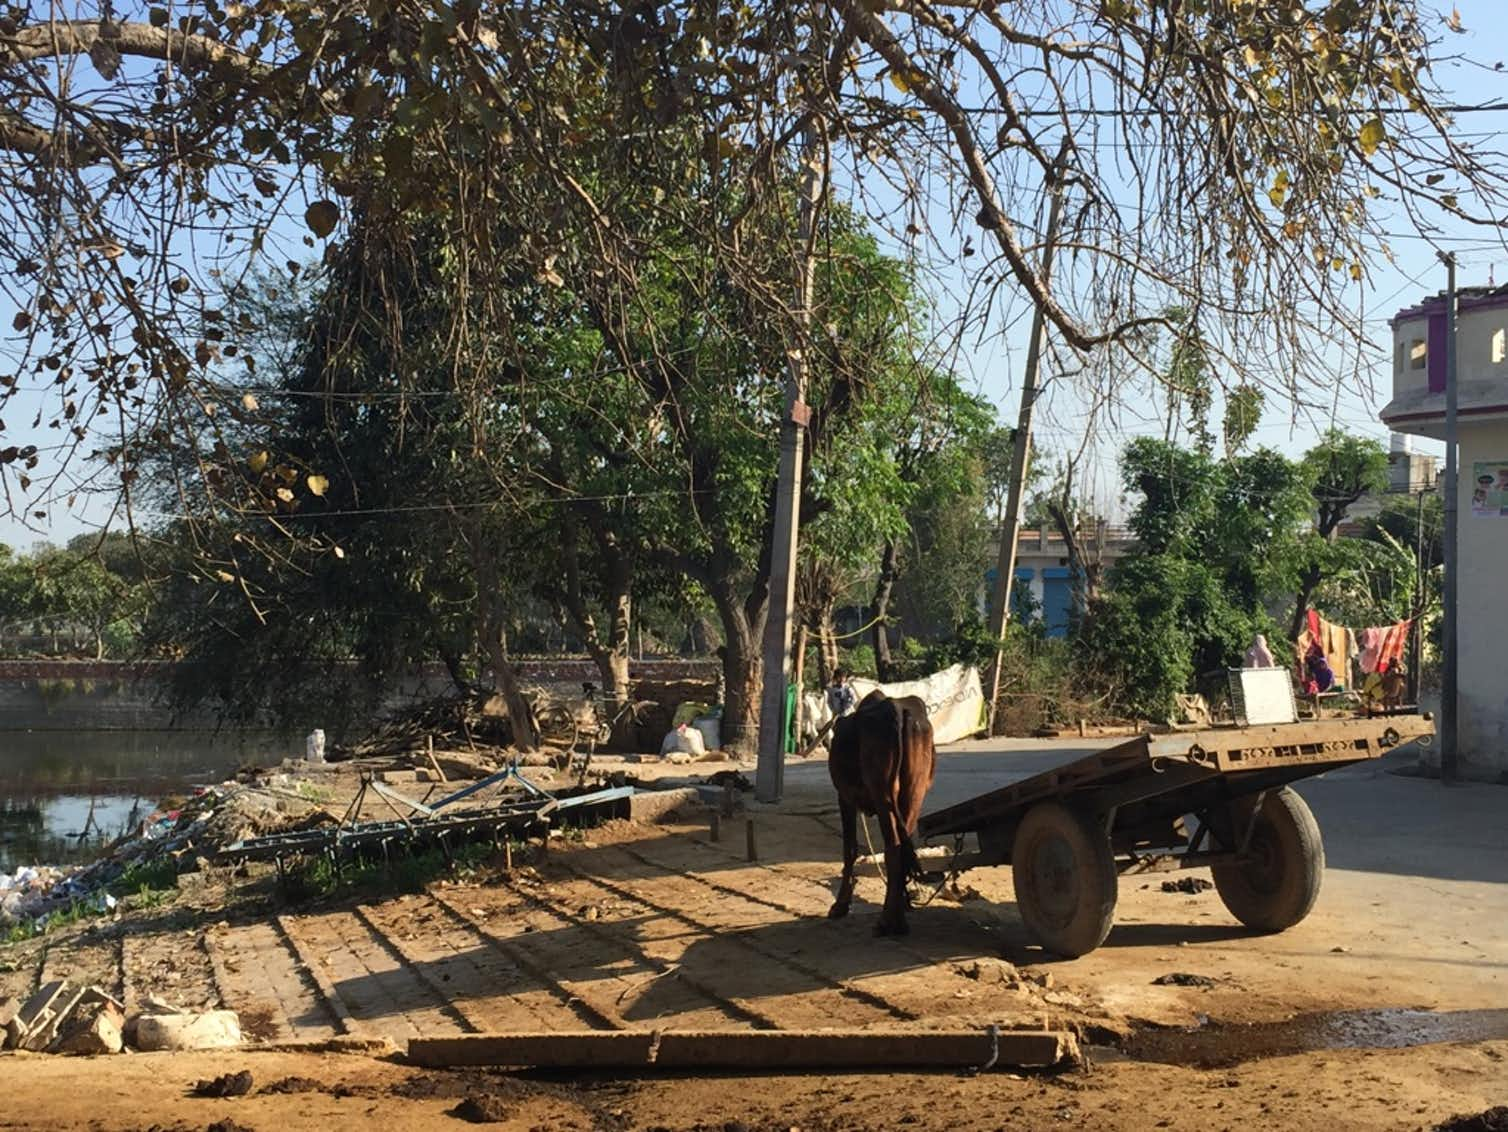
<point>1069,833</point>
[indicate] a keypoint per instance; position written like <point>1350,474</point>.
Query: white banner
<point>954,699</point>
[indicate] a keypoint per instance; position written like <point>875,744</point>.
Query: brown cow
<point>882,762</point>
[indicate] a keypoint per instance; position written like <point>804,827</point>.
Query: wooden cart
<point>1068,833</point>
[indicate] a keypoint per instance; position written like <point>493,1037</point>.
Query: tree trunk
<point>1085,574</point>
<point>1309,581</point>
<point>741,691</point>
<point>614,663</point>
<point>742,666</point>
<point>492,630</point>
<point>827,639</point>
<point>611,657</point>
<point>879,612</point>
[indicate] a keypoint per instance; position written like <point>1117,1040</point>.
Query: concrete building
<point>1409,473</point>
<point>1042,570</point>
<point>1418,407</point>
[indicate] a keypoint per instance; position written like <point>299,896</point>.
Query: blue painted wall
<point>1057,596</point>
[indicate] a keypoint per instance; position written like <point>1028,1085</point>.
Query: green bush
<point>859,661</point>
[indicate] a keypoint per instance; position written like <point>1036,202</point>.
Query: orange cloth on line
<point>1333,641</point>
<point>1333,645</point>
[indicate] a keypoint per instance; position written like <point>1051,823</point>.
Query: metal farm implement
<point>1070,832</point>
<point>461,817</point>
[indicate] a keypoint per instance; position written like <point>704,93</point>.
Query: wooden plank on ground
<point>757,1049</point>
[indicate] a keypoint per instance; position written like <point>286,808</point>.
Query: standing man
<point>840,694</point>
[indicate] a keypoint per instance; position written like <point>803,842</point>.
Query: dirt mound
<point>225,1085</point>
<point>1190,886</point>
<point>484,1108</point>
<point>1492,1120</point>
<point>293,1085</point>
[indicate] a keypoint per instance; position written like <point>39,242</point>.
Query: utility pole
<point>769,776</point>
<point>1416,631</point>
<point>1449,669</point>
<point>1010,523</point>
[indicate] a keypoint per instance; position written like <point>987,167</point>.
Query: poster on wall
<point>1489,488</point>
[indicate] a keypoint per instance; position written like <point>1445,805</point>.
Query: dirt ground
<point>1393,1089</point>
<point>660,926</point>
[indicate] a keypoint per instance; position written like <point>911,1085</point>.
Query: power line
<point>1119,112</point>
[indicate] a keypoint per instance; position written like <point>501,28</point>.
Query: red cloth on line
<point>1395,639</point>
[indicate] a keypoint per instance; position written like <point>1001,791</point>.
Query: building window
<point>1417,353</point>
<point>1400,352</point>
<point>1499,345</point>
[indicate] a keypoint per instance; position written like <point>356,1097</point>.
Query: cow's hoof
<point>837,911</point>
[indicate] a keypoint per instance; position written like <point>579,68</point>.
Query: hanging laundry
<point>1383,646</point>
<point>1371,644</point>
<point>1394,643</point>
<point>1337,648</point>
<point>1335,645</point>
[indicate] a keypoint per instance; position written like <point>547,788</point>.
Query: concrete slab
<point>755,1049</point>
<point>657,805</point>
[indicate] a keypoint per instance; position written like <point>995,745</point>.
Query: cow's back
<point>865,756</point>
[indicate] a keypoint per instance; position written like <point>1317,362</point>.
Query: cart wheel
<point>1275,888</point>
<point>1065,878</point>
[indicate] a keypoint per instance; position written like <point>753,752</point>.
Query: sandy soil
<point>1357,1090</point>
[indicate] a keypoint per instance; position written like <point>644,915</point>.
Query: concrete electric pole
<point>1449,668</point>
<point>769,777</point>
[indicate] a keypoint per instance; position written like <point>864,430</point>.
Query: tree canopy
<point>153,158</point>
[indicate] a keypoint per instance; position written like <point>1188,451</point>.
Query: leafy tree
<point>933,544</point>
<point>239,120</point>
<point>15,589</point>
<point>1340,470</point>
<point>1243,412</point>
<point>643,161</point>
<point>943,560</point>
<point>1215,542</point>
<point>94,585</point>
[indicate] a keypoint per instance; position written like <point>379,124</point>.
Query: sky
<point>993,361</point>
<point>1416,272</point>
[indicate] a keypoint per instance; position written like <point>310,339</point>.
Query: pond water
<point>64,794</point>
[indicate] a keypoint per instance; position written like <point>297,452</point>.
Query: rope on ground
<point>950,876</point>
<point>993,1031</point>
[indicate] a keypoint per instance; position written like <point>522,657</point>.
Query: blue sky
<point>992,361</point>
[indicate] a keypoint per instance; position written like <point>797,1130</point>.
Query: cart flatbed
<point>1068,832</point>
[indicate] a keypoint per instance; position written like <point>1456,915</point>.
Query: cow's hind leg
<point>898,857</point>
<point>850,816</point>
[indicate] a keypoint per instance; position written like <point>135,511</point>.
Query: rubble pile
<point>26,892</point>
<point>476,718</point>
<point>61,1018</point>
<point>173,838</point>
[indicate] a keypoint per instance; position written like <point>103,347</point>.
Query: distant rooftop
<point>1466,297</point>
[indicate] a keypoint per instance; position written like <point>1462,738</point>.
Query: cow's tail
<point>912,863</point>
